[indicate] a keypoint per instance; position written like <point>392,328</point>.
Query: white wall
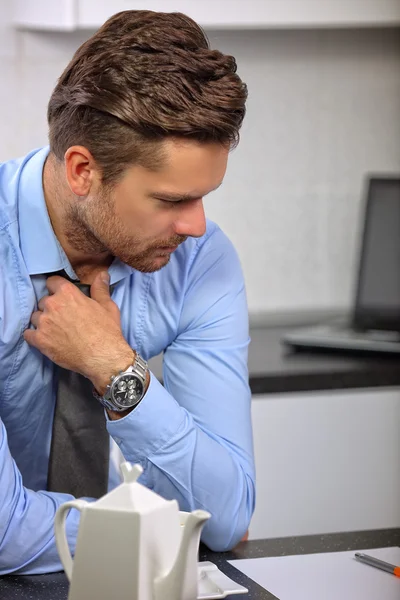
<point>324,108</point>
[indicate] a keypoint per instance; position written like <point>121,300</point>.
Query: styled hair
<point>142,77</point>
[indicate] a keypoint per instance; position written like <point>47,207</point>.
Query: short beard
<point>83,227</point>
<point>79,235</point>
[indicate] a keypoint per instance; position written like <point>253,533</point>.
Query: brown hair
<point>144,76</point>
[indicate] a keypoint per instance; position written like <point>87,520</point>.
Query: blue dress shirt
<point>192,436</point>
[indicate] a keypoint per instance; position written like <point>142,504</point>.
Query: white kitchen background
<point>323,110</point>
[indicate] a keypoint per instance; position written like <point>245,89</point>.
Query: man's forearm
<point>101,377</point>
<point>27,543</point>
<point>185,462</point>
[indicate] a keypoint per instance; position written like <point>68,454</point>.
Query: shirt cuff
<point>149,426</point>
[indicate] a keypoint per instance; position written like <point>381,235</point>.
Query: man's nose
<point>191,220</point>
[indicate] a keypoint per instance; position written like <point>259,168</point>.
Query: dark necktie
<point>80,443</point>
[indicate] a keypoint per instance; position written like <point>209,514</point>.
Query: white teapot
<point>132,545</point>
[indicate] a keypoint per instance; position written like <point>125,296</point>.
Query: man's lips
<point>167,248</point>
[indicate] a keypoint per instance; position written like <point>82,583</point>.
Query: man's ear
<point>81,170</point>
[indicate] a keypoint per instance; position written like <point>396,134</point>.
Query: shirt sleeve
<point>193,435</point>
<point>27,542</point>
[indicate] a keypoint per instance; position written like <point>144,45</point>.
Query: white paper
<point>325,576</point>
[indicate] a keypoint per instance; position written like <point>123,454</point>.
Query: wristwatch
<point>127,388</point>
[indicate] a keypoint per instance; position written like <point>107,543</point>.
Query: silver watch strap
<point>139,368</point>
<point>106,403</point>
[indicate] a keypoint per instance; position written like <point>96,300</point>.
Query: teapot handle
<point>61,536</point>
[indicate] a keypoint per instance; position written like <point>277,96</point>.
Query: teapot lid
<point>131,495</point>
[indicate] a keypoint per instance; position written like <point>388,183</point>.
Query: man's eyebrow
<point>172,197</point>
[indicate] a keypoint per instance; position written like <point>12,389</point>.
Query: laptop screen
<point>378,295</point>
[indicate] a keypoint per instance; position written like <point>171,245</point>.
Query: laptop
<point>374,325</point>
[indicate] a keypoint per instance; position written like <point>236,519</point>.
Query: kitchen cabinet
<point>72,15</point>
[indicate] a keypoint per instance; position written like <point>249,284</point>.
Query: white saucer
<point>213,584</point>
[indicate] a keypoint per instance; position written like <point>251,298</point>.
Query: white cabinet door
<point>90,14</point>
<point>46,14</point>
<point>253,13</point>
<point>326,462</point>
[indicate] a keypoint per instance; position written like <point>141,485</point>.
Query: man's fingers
<point>30,337</point>
<point>42,304</point>
<point>35,318</point>
<point>55,283</point>
<point>100,288</point>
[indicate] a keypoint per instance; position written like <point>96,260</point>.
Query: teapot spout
<point>181,582</point>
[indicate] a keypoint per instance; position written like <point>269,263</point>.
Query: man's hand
<point>79,333</point>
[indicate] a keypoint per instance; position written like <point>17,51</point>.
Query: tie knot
<point>84,287</point>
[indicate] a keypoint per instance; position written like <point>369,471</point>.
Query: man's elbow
<point>224,533</point>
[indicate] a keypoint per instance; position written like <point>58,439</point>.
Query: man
<point>140,126</point>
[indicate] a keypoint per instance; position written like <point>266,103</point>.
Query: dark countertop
<point>55,586</point>
<point>275,369</point>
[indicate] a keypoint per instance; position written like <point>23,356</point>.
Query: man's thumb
<point>100,288</point>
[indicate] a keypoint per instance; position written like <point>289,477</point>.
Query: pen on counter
<point>379,564</point>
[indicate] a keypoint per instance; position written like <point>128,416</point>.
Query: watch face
<point>127,390</point>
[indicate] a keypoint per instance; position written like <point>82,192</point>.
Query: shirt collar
<point>40,247</point>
